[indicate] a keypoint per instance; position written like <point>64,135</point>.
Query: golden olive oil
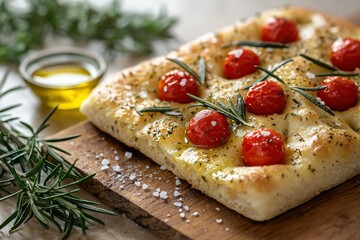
<point>63,85</point>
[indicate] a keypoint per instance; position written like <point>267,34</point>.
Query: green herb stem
<point>164,110</point>
<point>202,69</point>
<point>340,74</point>
<point>312,99</point>
<point>259,44</point>
<point>272,70</point>
<point>318,62</point>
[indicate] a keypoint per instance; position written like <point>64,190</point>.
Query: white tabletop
<point>196,17</point>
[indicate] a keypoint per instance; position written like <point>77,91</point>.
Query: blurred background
<point>168,24</point>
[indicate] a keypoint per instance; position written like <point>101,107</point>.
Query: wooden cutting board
<point>334,214</point>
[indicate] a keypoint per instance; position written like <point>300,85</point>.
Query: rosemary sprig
<point>270,74</point>
<point>236,113</point>
<point>336,74</point>
<point>258,44</point>
<point>200,77</point>
<point>38,182</point>
<point>302,90</point>
<point>272,70</point>
<point>24,29</point>
<point>170,111</point>
<point>318,62</point>
<point>334,71</point>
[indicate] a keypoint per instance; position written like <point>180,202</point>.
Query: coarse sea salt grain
<point>186,208</point>
<point>176,193</point>
<point>137,183</point>
<point>162,168</point>
<point>156,194</point>
<point>128,155</point>
<point>182,215</point>
<point>145,186</point>
<point>104,167</point>
<point>105,162</point>
<point>218,220</point>
<point>213,123</point>
<point>265,133</point>
<point>177,182</point>
<point>143,94</point>
<point>177,204</point>
<point>187,220</point>
<point>163,195</point>
<point>183,82</point>
<point>132,176</point>
<point>237,53</point>
<point>217,209</point>
<point>117,158</point>
<point>310,75</point>
<point>195,214</point>
<point>117,168</point>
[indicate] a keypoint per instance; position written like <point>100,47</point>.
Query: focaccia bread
<point>321,150</point>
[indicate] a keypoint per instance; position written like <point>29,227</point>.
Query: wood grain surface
<point>334,214</point>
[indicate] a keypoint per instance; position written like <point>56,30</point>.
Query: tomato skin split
<point>175,85</point>
<point>240,62</point>
<point>263,147</point>
<point>280,30</point>
<point>341,93</point>
<point>265,98</point>
<point>345,54</point>
<point>208,129</point>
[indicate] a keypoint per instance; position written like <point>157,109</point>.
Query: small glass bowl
<point>60,91</point>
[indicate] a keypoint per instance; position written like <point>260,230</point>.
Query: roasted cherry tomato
<point>341,93</point>
<point>265,98</point>
<point>345,54</point>
<point>263,147</point>
<point>174,86</point>
<point>208,129</point>
<point>280,30</point>
<point>240,62</point>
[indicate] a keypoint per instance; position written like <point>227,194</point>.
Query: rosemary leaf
<point>240,106</point>
<point>270,74</point>
<point>313,100</point>
<point>62,139</point>
<point>258,44</point>
<point>312,89</point>
<point>11,90</point>
<point>272,70</point>
<point>188,69</point>
<point>170,111</point>
<point>336,74</point>
<point>10,195</point>
<point>318,62</point>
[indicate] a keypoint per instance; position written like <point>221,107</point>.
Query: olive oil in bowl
<point>63,77</point>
